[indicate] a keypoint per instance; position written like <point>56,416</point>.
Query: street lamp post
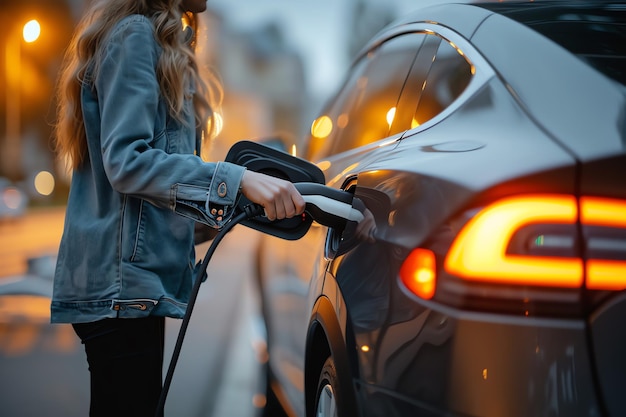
<point>12,161</point>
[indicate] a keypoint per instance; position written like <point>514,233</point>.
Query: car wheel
<point>329,397</point>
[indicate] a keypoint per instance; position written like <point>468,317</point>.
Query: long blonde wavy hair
<point>177,65</point>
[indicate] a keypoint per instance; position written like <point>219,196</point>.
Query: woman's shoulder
<point>135,31</point>
<point>133,23</point>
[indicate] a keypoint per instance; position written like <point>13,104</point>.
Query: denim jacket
<point>127,248</point>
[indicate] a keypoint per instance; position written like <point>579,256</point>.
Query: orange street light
<point>13,68</point>
<point>31,31</point>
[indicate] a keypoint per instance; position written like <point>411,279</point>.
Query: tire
<point>328,400</point>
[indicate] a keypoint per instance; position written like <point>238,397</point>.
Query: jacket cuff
<point>214,206</point>
<point>224,192</point>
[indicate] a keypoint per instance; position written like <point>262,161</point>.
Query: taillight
<point>605,227</point>
<point>480,250</point>
<point>525,248</point>
<point>418,272</point>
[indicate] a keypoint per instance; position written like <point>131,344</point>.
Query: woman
<point>130,102</point>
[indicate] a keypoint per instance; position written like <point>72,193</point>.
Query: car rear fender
<point>326,338</point>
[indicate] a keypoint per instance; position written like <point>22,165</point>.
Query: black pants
<point>125,359</point>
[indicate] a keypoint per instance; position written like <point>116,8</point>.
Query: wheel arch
<point>325,338</point>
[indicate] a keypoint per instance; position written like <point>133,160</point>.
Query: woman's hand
<point>278,197</point>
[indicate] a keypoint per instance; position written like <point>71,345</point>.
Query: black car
<point>487,142</point>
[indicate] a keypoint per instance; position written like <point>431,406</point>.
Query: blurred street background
<point>278,60</point>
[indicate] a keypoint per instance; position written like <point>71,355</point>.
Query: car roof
<point>594,31</point>
<point>567,96</point>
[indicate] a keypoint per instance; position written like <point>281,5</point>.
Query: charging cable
<point>248,212</point>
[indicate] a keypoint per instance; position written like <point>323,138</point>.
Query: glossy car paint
<point>533,119</point>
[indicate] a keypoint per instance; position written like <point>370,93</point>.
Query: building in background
<point>267,73</point>
<point>264,83</point>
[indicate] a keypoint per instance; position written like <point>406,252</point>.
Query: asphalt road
<point>43,370</point>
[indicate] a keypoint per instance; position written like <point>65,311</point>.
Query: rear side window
<point>364,108</point>
<point>440,74</point>
<point>401,85</point>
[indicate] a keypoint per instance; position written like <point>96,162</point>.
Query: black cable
<point>250,211</point>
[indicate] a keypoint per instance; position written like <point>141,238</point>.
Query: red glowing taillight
<point>418,273</point>
<point>487,249</point>
<point>480,250</point>
<point>604,274</point>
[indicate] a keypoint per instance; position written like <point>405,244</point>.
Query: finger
<point>298,203</point>
<point>285,207</point>
<point>281,209</point>
<point>270,211</point>
<point>291,208</point>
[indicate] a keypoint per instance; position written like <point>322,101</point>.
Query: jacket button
<point>222,189</point>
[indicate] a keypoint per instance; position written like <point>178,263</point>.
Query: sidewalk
<point>242,389</point>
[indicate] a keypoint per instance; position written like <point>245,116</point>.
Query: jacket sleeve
<point>128,96</point>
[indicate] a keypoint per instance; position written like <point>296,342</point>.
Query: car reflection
<point>13,200</point>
